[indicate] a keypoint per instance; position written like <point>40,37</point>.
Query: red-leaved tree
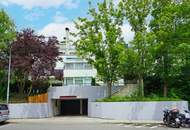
<point>33,56</point>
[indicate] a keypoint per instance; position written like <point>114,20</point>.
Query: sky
<point>50,17</point>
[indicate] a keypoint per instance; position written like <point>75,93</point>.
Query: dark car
<point>4,112</point>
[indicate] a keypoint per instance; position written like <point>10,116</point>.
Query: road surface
<point>77,123</point>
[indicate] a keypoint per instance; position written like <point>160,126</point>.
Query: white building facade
<point>76,71</point>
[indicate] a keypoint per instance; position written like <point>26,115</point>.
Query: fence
<point>40,98</point>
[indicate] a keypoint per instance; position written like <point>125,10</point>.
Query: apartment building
<point>77,88</point>
<point>76,71</point>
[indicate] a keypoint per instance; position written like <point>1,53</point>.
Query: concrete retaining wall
<point>90,92</point>
<point>28,110</point>
<point>132,110</point>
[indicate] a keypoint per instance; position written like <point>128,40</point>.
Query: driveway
<point>77,123</point>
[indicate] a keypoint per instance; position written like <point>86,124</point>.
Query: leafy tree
<point>7,30</point>
<point>7,34</point>
<point>100,42</point>
<point>170,23</point>
<point>181,33</point>
<point>129,66</point>
<point>136,13</point>
<point>33,56</point>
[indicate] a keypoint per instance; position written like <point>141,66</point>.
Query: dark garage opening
<point>74,107</point>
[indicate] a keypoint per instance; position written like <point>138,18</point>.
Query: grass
<point>136,99</point>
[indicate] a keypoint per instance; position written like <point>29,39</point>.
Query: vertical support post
<point>9,76</point>
<point>81,107</point>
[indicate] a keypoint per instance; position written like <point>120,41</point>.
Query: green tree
<point>170,24</point>
<point>7,34</point>
<point>129,66</point>
<point>136,13</point>
<point>100,42</point>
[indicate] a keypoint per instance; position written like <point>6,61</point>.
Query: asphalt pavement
<point>78,123</point>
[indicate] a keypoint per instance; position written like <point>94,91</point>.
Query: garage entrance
<point>74,107</point>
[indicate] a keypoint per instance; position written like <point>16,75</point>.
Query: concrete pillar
<point>81,107</point>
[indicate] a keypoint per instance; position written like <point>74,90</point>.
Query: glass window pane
<point>69,81</point>
<point>69,66</point>
<point>78,65</point>
<point>87,81</point>
<point>78,81</point>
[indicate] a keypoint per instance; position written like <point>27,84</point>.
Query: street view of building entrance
<point>94,64</point>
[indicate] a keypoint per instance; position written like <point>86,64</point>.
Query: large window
<point>87,81</point>
<point>69,66</point>
<point>78,81</point>
<point>77,66</point>
<point>69,81</point>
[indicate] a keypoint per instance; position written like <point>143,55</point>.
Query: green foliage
<point>153,85</point>
<point>136,99</point>
<point>39,86</point>
<point>179,85</point>
<point>136,13</point>
<point>7,34</point>
<point>100,41</point>
<point>170,24</point>
<point>7,29</point>
<point>3,84</point>
<point>129,65</point>
<point>158,56</point>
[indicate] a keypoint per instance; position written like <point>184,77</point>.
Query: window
<point>78,81</point>
<point>78,65</point>
<point>69,81</point>
<point>3,107</point>
<point>69,66</point>
<point>73,59</point>
<point>87,81</point>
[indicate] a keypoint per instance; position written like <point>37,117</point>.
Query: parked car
<point>4,112</point>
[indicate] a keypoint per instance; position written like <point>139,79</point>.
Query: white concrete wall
<point>132,110</point>
<point>28,110</point>
<point>90,92</point>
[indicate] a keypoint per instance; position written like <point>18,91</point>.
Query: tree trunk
<point>109,86</point>
<point>141,86</point>
<point>165,88</point>
<point>21,88</point>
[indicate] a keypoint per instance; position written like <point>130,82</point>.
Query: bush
<point>136,99</point>
<point>39,86</point>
